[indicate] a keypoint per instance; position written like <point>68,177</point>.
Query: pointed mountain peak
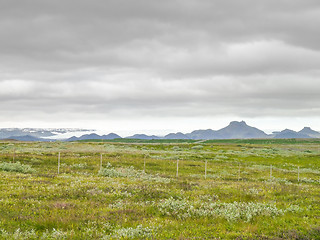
<point>310,132</point>
<point>236,123</point>
<point>238,130</point>
<point>287,130</point>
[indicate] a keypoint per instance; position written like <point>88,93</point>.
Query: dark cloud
<point>82,33</point>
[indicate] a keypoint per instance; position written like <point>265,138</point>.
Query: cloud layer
<point>118,59</point>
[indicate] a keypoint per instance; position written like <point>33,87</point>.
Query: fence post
<point>144,164</point>
<point>177,167</point>
<point>100,161</point>
<point>205,170</point>
<point>59,163</point>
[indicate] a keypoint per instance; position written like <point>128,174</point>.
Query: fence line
<point>272,168</point>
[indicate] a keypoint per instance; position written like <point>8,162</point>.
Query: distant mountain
<point>36,132</point>
<point>178,135</point>
<point>144,136</point>
<point>287,133</point>
<point>202,134</point>
<point>235,130</point>
<point>110,136</point>
<point>84,137</point>
<point>28,138</point>
<point>238,130</point>
<point>72,139</point>
<point>16,132</point>
<point>94,136</point>
<point>308,131</point>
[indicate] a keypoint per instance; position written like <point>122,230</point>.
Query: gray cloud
<point>82,33</point>
<point>173,58</point>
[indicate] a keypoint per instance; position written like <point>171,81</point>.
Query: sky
<point>149,66</point>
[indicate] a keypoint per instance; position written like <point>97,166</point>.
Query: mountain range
<point>36,132</point>
<point>235,130</point>
<point>95,136</point>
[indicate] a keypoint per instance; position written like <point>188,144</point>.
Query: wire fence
<point>208,169</point>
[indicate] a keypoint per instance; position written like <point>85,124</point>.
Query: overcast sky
<point>157,66</point>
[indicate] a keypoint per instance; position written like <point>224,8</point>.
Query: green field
<point>251,189</point>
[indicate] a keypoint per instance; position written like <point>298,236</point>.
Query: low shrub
<point>130,172</point>
<point>230,211</point>
<point>16,167</point>
<point>128,233</point>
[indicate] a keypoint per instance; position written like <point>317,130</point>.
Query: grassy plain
<point>252,189</point>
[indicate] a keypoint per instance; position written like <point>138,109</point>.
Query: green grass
<point>238,199</point>
<point>268,141</point>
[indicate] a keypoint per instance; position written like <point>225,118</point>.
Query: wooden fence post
<point>100,161</point>
<point>205,170</point>
<point>59,163</point>
<point>177,167</point>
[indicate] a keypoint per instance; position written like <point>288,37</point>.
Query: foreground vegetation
<point>237,189</point>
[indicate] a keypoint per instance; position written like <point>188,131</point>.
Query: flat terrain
<point>235,189</point>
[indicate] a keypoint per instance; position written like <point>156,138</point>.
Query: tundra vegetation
<point>251,189</point>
